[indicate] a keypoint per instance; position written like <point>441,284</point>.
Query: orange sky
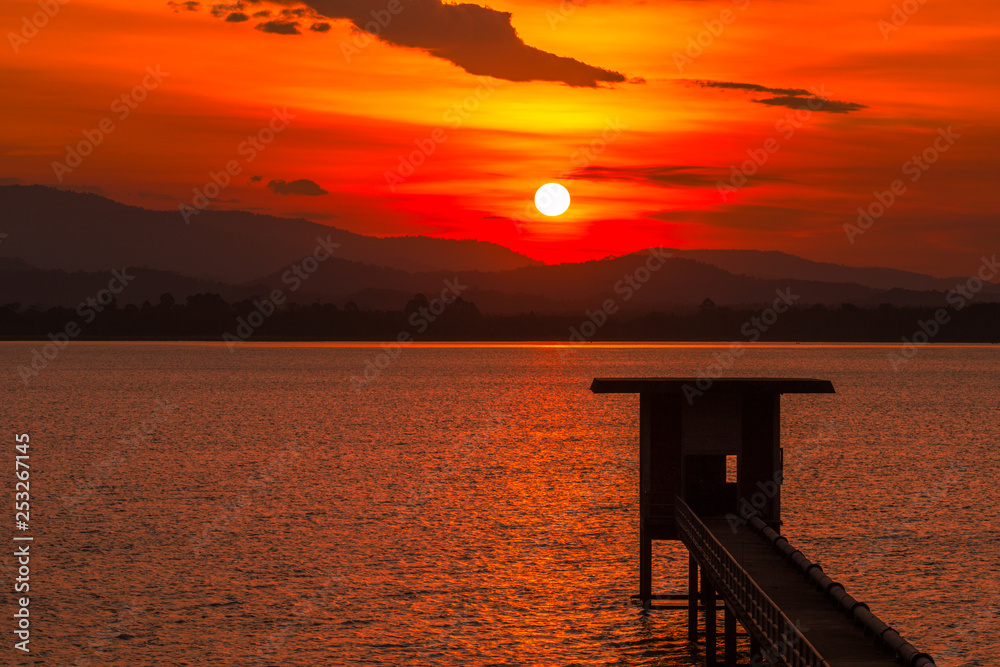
<point>651,180</point>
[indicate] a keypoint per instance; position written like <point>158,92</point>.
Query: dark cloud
<point>237,17</point>
<point>10,180</point>
<point>278,27</point>
<point>320,27</point>
<point>153,195</point>
<point>667,176</point>
<point>812,103</point>
<point>478,39</point>
<point>184,6</point>
<point>753,87</point>
<point>218,11</point>
<point>303,186</point>
<point>262,14</point>
<point>256,179</point>
<point>793,98</point>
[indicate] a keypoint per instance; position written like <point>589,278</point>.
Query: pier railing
<point>756,611</point>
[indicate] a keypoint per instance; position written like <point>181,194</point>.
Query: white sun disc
<point>552,199</point>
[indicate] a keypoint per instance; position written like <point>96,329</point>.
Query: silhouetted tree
<point>416,303</point>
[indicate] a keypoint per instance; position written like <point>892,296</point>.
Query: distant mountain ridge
<point>60,246</point>
<point>777,264</point>
<point>57,229</point>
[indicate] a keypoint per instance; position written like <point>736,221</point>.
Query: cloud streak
<point>752,87</point>
<point>793,98</point>
<point>665,176</point>
<point>830,106</point>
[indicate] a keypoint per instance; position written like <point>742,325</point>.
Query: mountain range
<point>57,247</point>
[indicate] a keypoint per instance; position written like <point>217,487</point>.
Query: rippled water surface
<point>470,505</point>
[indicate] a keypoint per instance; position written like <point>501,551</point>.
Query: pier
<point>710,474</point>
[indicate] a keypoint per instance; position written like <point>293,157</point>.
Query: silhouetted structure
<point>690,429</point>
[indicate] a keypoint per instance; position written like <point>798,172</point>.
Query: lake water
<point>470,505</point>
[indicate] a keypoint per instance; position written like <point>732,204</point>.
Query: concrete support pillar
<point>730,625</point>
<point>692,599</point>
<point>708,599</point>
<point>645,569</point>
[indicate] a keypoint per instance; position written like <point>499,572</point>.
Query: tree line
<point>211,317</point>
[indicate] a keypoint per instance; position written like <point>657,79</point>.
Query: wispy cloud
<point>793,98</point>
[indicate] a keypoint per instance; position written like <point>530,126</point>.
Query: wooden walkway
<point>789,606</point>
<point>836,637</point>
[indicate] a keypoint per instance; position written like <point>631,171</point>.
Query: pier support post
<point>730,630</point>
<point>645,569</point>
<point>708,598</point>
<point>692,598</point>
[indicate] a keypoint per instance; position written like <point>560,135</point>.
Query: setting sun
<point>552,199</point>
